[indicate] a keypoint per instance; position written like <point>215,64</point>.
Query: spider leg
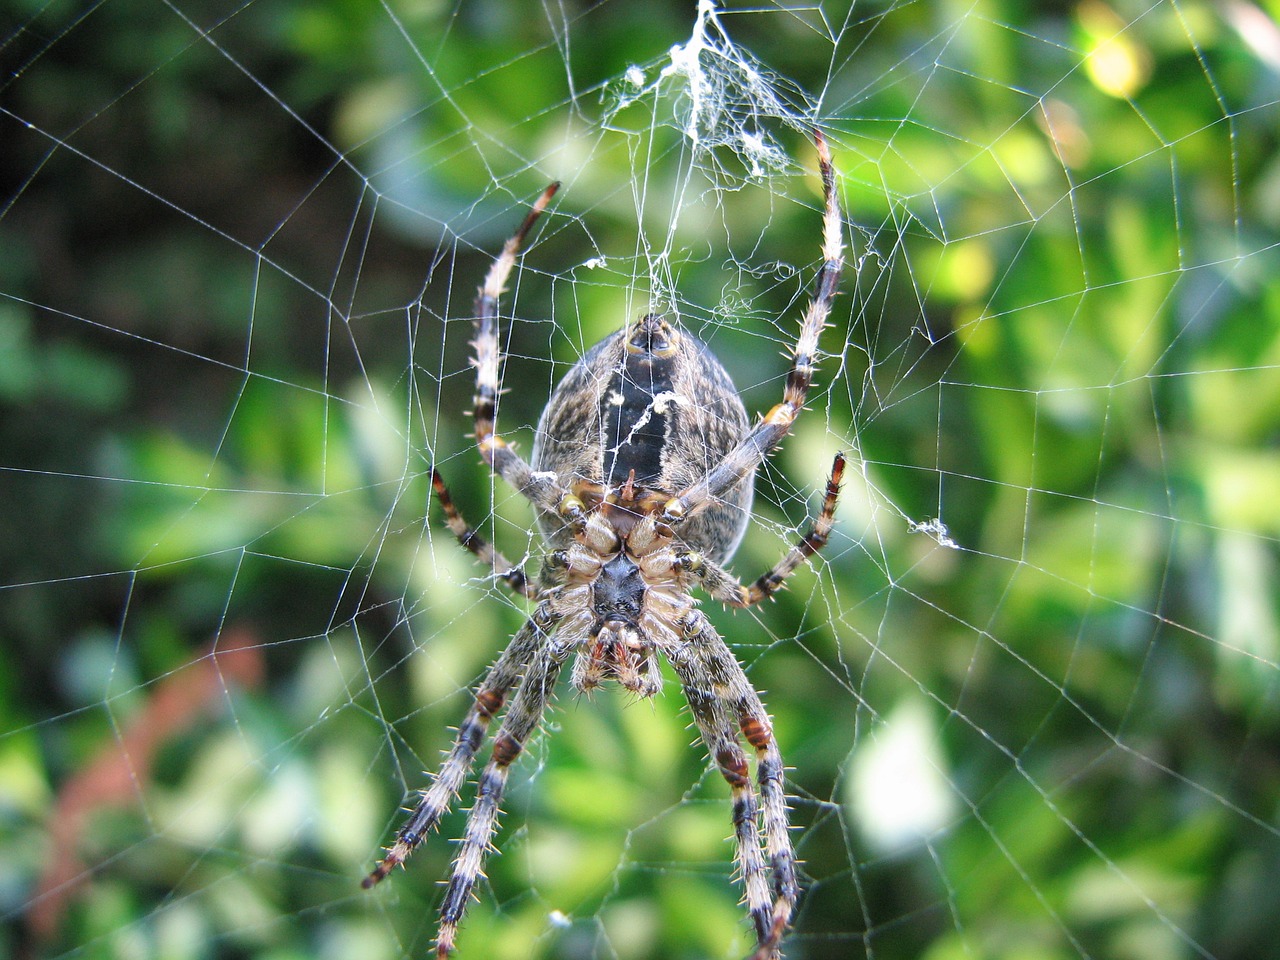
<point>490,696</point>
<point>766,435</point>
<point>487,553</point>
<point>541,489</point>
<point>522,717</point>
<point>725,587</point>
<point>721,738</point>
<point>710,672</point>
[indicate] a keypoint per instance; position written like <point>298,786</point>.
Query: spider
<point>642,474</point>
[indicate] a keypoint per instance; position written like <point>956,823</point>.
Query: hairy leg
<point>542,490</point>
<point>720,733</point>
<point>756,445</point>
<point>513,575</point>
<point>707,662</point>
<point>490,696</point>
<point>725,587</point>
<point>522,718</point>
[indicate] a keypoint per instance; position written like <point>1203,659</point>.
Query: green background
<point>238,248</point>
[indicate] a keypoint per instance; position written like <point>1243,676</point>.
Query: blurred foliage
<point>238,245</point>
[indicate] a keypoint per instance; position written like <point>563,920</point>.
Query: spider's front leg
<point>721,696</point>
<point>490,696</point>
<point>522,718</point>
<point>720,735</point>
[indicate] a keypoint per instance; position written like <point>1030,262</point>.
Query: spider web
<point>1028,693</point>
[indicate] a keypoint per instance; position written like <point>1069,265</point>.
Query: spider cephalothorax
<point>641,479</point>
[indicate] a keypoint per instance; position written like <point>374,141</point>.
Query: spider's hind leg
<point>540,489</point>
<point>724,586</point>
<point>750,452</point>
<point>512,574</point>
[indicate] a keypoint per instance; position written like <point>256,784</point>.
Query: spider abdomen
<point>652,405</point>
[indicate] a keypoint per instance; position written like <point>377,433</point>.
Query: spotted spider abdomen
<point>652,404</point>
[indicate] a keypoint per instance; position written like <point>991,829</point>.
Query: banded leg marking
<point>513,575</point>
<point>705,655</point>
<point>720,735</point>
<point>438,797</point>
<point>766,435</point>
<point>544,492</point>
<point>522,718</point>
<point>725,587</point>
<point>769,583</point>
